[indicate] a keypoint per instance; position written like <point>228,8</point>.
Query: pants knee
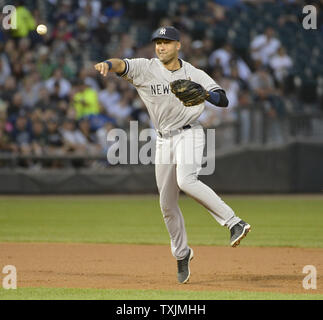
<point>185,183</point>
<point>167,209</point>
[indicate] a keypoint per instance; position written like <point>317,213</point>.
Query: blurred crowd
<point>53,102</point>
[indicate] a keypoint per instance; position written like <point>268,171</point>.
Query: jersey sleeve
<point>135,70</point>
<point>206,81</point>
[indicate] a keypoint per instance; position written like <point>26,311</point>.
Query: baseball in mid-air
<point>41,29</point>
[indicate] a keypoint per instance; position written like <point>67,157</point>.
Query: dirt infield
<point>152,267</point>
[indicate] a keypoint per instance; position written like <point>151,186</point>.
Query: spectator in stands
<point>208,46</point>
<point>61,32</point>
<point>3,35</point>
<point>24,46</point>
<point>36,115</point>
<point>280,63</point>
<point>110,96</point>
<point>82,34</point>
<point>264,46</point>
<point>244,98</point>
<point>92,10</point>
<point>38,138</point>
<point>229,3</point>
<point>245,102</point>
<point>101,34</point>
<point>113,144</point>
<point>44,103</point>
<point>87,75</point>
<point>223,56</point>
<point>61,109</point>
<point>43,65</point>
<point>55,95</point>
<point>74,140</point>
<point>261,82</point>
<point>77,34</point>
<point>242,77</point>
<point>115,10</point>
<point>232,89</point>
<point>126,47</point>
<point>66,66</point>
<point>9,89</point>
<point>139,113</point>
<point>58,81</point>
<point>54,143</point>
<point>71,112</point>
<point>66,12</point>
<point>25,21</point>
<point>21,135</point>
<point>54,138</point>
<point>15,107</point>
<point>85,101</point>
<point>28,63</point>
<point>17,68</point>
<point>199,57</point>
<point>122,111</point>
<point>183,19</point>
<point>92,145</point>
<point>5,141</point>
<point>102,134</point>
<point>212,13</point>
<point>5,69</point>
<point>30,91</point>
<point>9,49</point>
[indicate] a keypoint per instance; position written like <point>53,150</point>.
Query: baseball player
<point>174,92</point>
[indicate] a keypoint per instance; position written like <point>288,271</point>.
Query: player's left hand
<point>189,92</point>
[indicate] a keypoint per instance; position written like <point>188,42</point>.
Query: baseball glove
<point>189,92</point>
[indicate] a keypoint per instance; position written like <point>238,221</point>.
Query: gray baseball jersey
<point>167,112</point>
<point>152,80</point>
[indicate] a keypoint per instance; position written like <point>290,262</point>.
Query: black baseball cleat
<point>238,232</point>
<point>183,269</point>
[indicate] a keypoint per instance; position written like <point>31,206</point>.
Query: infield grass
<point>103,294</point>
<point>293,221</point>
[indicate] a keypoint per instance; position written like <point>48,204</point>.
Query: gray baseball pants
<point>177,165</point>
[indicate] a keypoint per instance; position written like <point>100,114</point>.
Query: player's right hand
<point>102,67</point>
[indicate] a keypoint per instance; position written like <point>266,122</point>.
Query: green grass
<point>276,220</point>
<point>101,294</point>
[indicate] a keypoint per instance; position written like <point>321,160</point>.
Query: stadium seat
<point>160,6</point>
<point>218,33</point>
<point>307,88</point>
<point>199,29</point>
<point>143,35</point>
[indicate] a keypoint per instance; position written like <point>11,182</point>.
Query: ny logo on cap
<point>162,31</point>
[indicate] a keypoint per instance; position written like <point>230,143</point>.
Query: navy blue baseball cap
<point>169,33</point>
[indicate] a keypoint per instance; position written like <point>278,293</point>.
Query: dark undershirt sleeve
<point>218,98</point>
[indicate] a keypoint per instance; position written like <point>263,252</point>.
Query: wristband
<point>109,64</point>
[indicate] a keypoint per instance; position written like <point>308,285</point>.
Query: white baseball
<point>41,29</point>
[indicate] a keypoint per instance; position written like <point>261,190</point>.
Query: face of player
<point>167,50</point>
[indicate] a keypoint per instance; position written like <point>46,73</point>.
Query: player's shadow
<point>257,280</point>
